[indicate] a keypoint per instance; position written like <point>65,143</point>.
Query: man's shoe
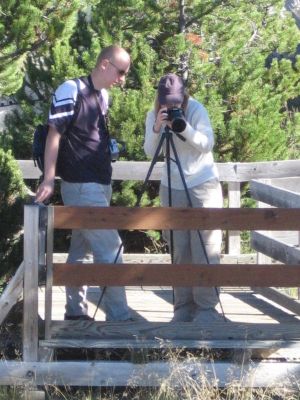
<point>78,318</point>
<point>207,316</point>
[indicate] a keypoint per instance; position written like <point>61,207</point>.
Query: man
<point>78,115</point>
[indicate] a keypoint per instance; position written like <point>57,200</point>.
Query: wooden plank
<point>234,200</point>
<point>67,217</point>
<point>261,257</point>
<point>231,171</point>
<point>31,267</point>
<point>290,183</point>
<point>256,349</point>
<point>49,272</point>
<point>136,170</point>
<point>176,275</point>
<point>275,196</point>
<point>162,344</point>
<point>279,298</point>
<point>244,172</point>
<point>150,258</point>
<point>275,248</point>
<point>174,374</point>
<point>11,293</point>
<point>175,331</point>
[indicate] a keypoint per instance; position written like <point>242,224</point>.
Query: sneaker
<point>78,318</point>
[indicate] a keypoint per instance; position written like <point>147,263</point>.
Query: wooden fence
<point>60,217</point>
<point>231,174</point>
<point>36,370</point>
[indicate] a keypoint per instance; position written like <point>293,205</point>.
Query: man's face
<point>115,70</point>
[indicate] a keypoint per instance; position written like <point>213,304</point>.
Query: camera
<point>114,148</point>
<point>176,116</point>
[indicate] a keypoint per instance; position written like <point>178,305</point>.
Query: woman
<point>194,147</point>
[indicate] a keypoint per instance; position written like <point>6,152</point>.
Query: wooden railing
<point>233,219</point>
<point>174,274</point>
<point>60,217</point>
<point>232,174</point>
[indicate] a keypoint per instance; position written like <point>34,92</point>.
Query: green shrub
<point>12,195</point>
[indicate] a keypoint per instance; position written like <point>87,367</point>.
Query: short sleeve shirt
<point>78,113</point>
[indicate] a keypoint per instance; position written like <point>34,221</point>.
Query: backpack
<point>38,146</point>
<point>40,136</point>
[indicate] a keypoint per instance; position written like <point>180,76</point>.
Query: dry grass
<point>181,384</point>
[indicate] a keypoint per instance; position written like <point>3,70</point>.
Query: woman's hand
<point>161,119</point>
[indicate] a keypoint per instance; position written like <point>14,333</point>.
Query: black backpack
<point>38,145</point>
<point>40,137</point>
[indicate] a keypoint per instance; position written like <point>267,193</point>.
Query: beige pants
<point>188,248</point>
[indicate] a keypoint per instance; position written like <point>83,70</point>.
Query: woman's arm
<point>198,132</point>
<point>152,137</point>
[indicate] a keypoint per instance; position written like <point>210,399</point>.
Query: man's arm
<point>46,188</point>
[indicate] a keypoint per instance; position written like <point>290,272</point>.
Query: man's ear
<point>104,64</point>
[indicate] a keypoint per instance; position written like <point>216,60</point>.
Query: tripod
<point>167,137</point>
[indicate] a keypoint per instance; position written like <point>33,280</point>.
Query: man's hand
<point>44,191</point>
<point>46,188</point>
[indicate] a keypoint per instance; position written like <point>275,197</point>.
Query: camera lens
<point>178,125</point>
<point>176,116</point>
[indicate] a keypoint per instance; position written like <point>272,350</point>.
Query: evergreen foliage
<point>247,101</point>
<point>28,26</point>
<point>220,48</point>
<point>12,195</point>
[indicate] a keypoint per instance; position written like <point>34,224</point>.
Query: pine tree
<point>220,49</point>
<point>26,28</point>
<point>247,102</point>
<point>12,195</point>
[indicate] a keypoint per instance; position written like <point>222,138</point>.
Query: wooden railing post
<point>234,200</point>
<point>49,280</point>
<point>31,268</point>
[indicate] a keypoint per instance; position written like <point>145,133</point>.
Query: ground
<point>11,334</point>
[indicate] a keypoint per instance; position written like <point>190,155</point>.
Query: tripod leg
<point>168,158</point>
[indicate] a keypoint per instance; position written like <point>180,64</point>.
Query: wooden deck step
<point>142,330</point>
<point>233,340</point>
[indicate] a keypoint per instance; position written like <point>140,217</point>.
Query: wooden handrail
<point>68,217</point>
<point>232,173</point>
<point>229,172</point>
<point>176,275</point>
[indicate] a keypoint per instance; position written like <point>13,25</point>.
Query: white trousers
<point>102,243</point>
<point>188,248</point>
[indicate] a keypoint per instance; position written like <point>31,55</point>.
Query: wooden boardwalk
<point>155,304</point>
<point>260,340</point>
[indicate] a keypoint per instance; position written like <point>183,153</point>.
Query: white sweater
<point>195,153</point>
